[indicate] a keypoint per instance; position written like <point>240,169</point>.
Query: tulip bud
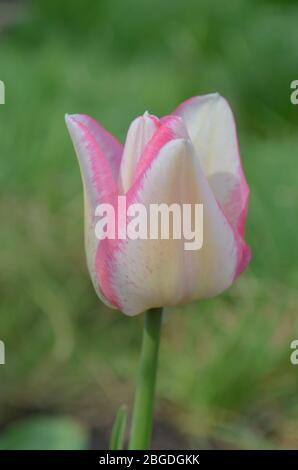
<point>188,158</point>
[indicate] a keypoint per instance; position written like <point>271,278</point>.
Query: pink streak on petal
<point>155,119</point>
<point>244,256</point>
<point>140,132</point>
<point>243,187</point>
<point>97,173</point>
<point>104,256</point>
<point>100,178</point>
<point>171,127</point>
<point>240,191</point>
<point>110,146</point>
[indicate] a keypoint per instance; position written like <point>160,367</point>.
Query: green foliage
<point>44,433</point>
<point>118,431</point>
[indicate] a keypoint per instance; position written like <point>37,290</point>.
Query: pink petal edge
<point>244,251</point>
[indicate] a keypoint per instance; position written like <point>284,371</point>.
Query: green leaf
<point>117,437</point>
<point>45,433</point>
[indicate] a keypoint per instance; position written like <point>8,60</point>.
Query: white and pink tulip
<point>189,157</point>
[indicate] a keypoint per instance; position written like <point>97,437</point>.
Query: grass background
<point>225,378</point>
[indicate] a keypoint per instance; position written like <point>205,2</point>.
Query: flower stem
<point>144,398</point>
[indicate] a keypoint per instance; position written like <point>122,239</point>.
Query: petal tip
<point>69,119</point>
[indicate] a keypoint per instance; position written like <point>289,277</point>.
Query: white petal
<point>154,273</point>
<point>139,133</point>
<point>97,170</point>
<point>211,126</point>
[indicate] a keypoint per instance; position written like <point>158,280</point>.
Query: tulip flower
<point>190,156</point>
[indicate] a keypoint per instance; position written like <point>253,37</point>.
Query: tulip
<point>190,156</point>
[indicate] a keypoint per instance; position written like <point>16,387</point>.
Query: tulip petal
<point>211,126</point>
<point>110,146</point>
<point>98,154</point>
<point>153,273</point>
<point>139,133</point>
<point>171,127</point>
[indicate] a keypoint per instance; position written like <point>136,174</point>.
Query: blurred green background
<point>225,377</point>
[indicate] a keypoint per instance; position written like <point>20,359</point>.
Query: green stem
<point>141,426</point>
